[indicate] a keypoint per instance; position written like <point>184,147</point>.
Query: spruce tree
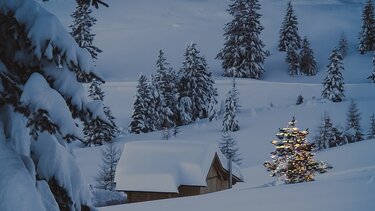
<point>353,128</point>
<point>165,81</point>
<point>228,146</point>
<point>343,45</point>
<point>367,34</point>
<point>299,100</point>
<point>293,61</point>
<point>333,83</point>
<point>196,84</point>
<point>140,118</point>
<point>96,131</point>
<point>155,107</point>
<point>243,55</point>
<point>293,160</point>
<point>307,60</point>
<point>372,76</point>
<point>82,26</point>
<point>40,92</point>
<point>289,38</point>
<point>230,122</point>
<point>371,131</point>
<point>326,137</point>
<point>106,176</point>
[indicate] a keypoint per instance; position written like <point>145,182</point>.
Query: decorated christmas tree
<point>293,161</point>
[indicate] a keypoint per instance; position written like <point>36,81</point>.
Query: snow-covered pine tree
<point>196,84</point>
<point>293,161</point>
<point>39,91</point>
<point>289,38</point>
<point>343,45</point>
<point>326,133</point>
<point>96,131</point>
<point>228,146</point>
<point>333,83</point>
<point>140,118</point>
<point>372,76</point>
<point>243,53</point>
<point>106,176</point>
<point>299,100</point>
<point>371,130</point>
<point>293,61</point>
<point>165,81</point>
<point>81,28</point>
<point>307,63</point>
<point>230,122</point>
<point>94,3</point>
<point>155,107</point>
<point>367,34</point>
<point>353,128</point>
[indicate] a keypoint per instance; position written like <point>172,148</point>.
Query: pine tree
<point>196,84</point>
<point>40,93</point>
<point>299,100</point>
<point>334,82</point>
<point>367,34</point>
<point>96,131</point>
<point>307,62</point>
<point>230,122</point>
<point>293,61</point>
<point>326,134</point>
<point>155,107</point>
<point>106,176</point>
<point>353,128</point>
<point>289,38</point>
<point>165,81</point>
<point>371,131</point>
<point>81,28</point>
<point>228,146</point>
<point>140,118</point>
<point>293,161</point>
<point>372,76</point>
<point>243,55</point>
<point>343,45</point>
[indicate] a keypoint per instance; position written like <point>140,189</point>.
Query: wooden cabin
<point>169,169</point>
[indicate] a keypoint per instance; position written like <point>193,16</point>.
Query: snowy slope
<point>349,186</point>
<point>131,32</point>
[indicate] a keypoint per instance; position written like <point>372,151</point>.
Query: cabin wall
<point>148,196</point>
<point>215,181</point>
<point>188,190</point>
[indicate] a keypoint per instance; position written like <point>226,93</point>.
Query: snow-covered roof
<point>162,166</point>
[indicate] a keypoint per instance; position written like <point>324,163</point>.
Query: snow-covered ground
<point>131,32</point>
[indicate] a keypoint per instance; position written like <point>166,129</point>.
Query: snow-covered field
<point>131,32</point>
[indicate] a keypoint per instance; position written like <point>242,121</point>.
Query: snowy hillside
<point>130,32</point>
<point>349,186</point>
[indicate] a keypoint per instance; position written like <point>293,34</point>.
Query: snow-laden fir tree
<point>155,107</point>
<point>106,176</point>
<point>307,63</point>
<point>293,161</point>
<point>140,116</point>
<point>289,38</point>
<point>299,100</point>
<point>293,61</point>
<point>372,76</point>
<point>96,131</point>
<point>243,53</point>
<point>40,94</point>
<point>230,122</point>
<point>165,81</point>
<point>353,128</point>
<point>195,85</point>
<point>367,33</point>
<point>371,130</point>
<point>343,45</point>
<point>228,146</point>
<point>333,84</point>
<point>82,25</point>
<point>328,136</point>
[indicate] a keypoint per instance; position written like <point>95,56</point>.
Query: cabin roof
<point>163,166</point>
